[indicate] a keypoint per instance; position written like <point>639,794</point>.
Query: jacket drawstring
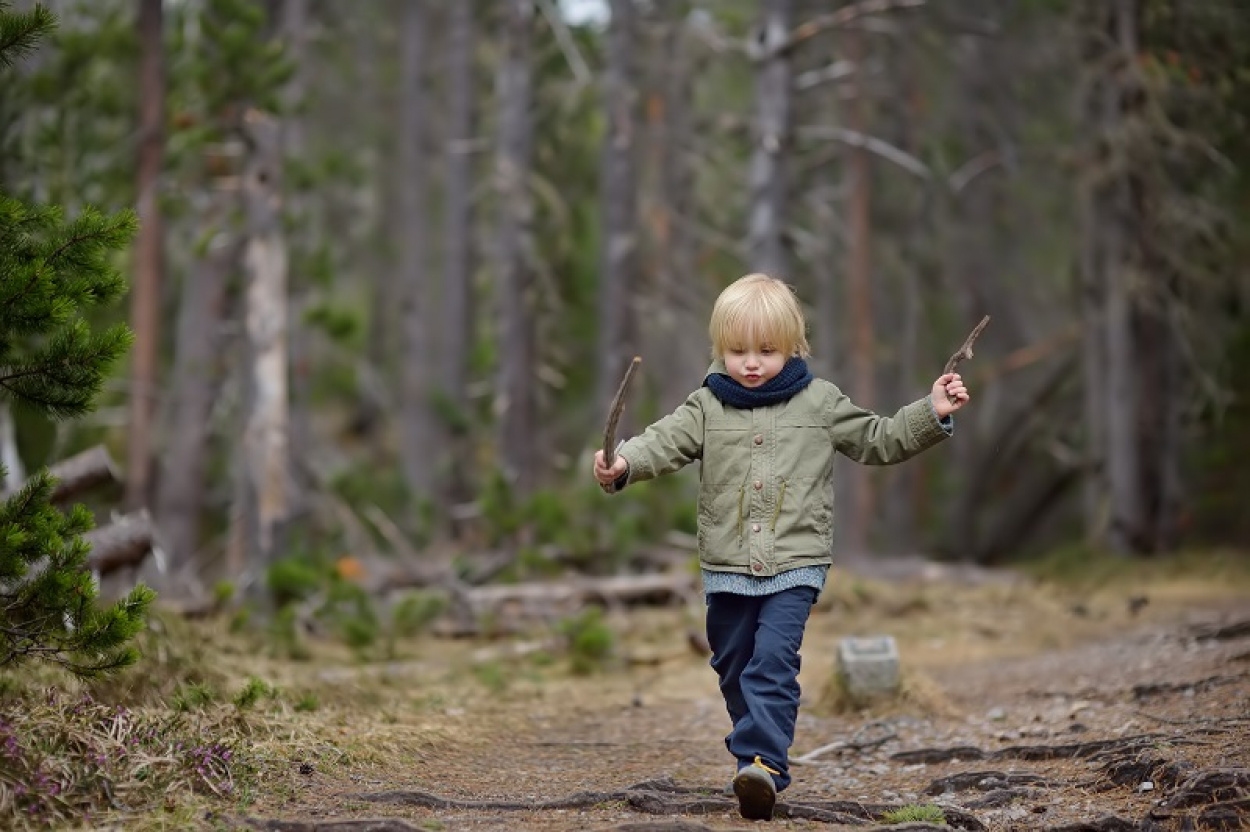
<point>781,495</point>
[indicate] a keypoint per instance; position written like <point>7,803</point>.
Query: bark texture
<point>146,293</point>
<point>514,397</point>
<point>264,498</point>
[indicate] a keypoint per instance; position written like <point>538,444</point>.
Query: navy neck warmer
<point>794,376</point>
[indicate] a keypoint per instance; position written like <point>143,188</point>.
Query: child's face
<point>752,366</point>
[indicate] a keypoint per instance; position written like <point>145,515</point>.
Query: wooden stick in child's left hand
<point>966,350</point>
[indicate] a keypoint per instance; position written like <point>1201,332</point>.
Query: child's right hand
<point>605,475</point>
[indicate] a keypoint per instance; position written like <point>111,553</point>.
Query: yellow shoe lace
<point>761,764</point>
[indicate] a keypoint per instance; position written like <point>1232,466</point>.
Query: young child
<point>766,432</point>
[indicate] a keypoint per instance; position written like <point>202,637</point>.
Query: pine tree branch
<point>20,33</point>
<point>842,17</point>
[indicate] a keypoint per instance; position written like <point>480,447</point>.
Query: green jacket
<point>765,488</point>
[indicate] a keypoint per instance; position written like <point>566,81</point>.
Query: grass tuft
<point>915,813</point>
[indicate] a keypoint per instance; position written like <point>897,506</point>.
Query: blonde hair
<point>758,310</point>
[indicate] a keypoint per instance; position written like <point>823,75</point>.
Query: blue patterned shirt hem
<point>736,583</point>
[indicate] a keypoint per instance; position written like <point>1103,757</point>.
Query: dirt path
<point>1022,711</point>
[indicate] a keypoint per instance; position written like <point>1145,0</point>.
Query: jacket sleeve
<point>669,445</point>
<point>871,439</point>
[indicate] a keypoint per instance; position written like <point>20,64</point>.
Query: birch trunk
<point>145,295</point>
<point>618,273</point>
<point>772,136</point>
<point>514,403</point>
<point>264,501</point>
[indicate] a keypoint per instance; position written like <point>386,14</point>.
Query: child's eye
<point>736,351</point>
<point>767,351</point>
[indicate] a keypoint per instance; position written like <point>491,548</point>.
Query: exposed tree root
<point>1200,686</point>
<point>374,825</point>
<point>984,781</point>
<point>663,797</point>
<point>1212,799</point>
<point>1110,823</point>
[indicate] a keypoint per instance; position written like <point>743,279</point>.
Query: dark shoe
<point>757,794</point>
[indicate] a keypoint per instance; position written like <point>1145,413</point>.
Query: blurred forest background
<point>394,256</point>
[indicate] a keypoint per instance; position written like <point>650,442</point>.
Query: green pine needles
<point>52,271</point>
<point>20,32</point>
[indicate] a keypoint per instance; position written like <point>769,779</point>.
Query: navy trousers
<point>755,653</point>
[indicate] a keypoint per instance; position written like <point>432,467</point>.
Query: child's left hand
<point>949,394</point>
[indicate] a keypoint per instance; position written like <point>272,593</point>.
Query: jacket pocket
<point>804,450</point>
<point>720,541</point>
<point>726,453</point>
<point>804,516</point>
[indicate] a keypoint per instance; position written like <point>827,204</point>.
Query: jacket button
<point>759,439</point>
<point>758,485</point>
<point>757,567</point>
<point>755,527</point>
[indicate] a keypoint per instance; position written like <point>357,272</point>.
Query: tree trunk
<point>10,460</point>
<point>294,26</point>
<point>856,527</point>
<point>264,501</point>
<point>418,426</point>
<point>145,298</point>
<point>1092,281</point>
<point>680,297</point>
<point>766,232</point>
<point>618,273</point>
<point>514,404</point>
<point>458,295</point>
<point>383,281</point>
<point>195,380</point>
<point>1122,272</point>
<point>905,483</point>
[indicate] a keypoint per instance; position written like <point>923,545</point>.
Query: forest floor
<point>1119,700</point>
<point>1113,704</point>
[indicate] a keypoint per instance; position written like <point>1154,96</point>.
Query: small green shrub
<point>293,579</point>
<point>348,611</point>
<point>255,690</point>
<point>493,676</point>
<point>223,593</point>
<point>192,697</point>
<point>590,640</point>
<point>307,702</point>
<point>416,611</point>
<point>285,637</point>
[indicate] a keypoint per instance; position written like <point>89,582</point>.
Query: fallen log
<point>505,609</point>
<point>616,589</point>
<point>124,542</point>
<point>80,473</point>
